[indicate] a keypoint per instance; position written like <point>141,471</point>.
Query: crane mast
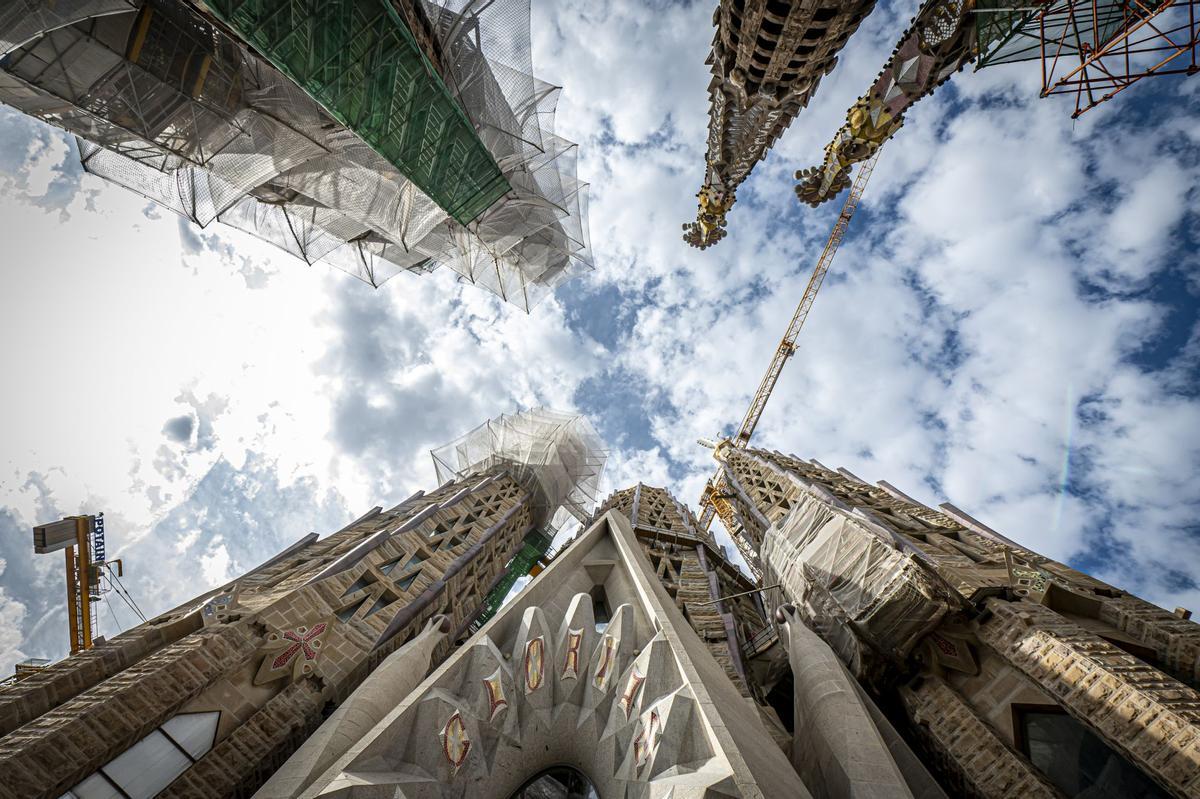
<point>82,539</point>
<point>714,500</point>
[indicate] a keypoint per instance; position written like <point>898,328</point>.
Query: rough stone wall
<point>60,747</point>
<point>351,599</point>
<point>66,679</point>
<point>966,749</point>
<point>695,572</point>
<point>680,572</point>
<point>1176,641</point>
<point>255,749</point>
<point>1149,717</point>
<point>1047,634</point>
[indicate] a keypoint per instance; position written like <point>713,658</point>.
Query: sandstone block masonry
<point>975,642</point>
<point>266,652</point>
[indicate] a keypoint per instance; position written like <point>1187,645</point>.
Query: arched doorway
<point>557,782</point>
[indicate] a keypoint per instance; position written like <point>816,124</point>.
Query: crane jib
<point>787,347</point>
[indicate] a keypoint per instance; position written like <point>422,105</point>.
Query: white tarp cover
<point>870,601</point>
<point>558,455</point>
<point>251,149</point>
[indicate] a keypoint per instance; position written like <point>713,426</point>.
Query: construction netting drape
<point>559,456</point>
<point>1008,31</point>
<point>870,601</point>
<point>22,20</point>
<point>168,105</point>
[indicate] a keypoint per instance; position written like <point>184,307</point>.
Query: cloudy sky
<point>1010,326</point>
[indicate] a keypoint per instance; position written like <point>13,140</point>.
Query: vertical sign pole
<point>72,598</point>
<point>83,533</point>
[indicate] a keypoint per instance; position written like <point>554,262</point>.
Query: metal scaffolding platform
<point>359,60</point>
<point>1092,49</point>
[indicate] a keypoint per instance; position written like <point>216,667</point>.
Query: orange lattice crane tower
<point>714,501</point>
<point>82,538</point>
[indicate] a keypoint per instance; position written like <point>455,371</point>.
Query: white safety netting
<point>559,456</point>
<point>22,20</point>
<point>243,145</point>
<point>869,600</point>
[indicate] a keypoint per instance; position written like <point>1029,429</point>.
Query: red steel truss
<point>1095,49</point>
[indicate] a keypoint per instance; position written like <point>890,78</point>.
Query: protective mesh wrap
<point>1014,30</point>
<point>22,20</point>
<point>558,456</point>
<point>171,107</point>
<point>871,602</point>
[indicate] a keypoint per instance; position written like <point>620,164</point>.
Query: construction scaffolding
<point>340,52</point>
<point>1092,49</point>
<point>527,561</point>
<point>375,142</point>
<point>558,456</point>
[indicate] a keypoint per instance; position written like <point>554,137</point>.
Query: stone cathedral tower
<point>889,649</point>
<point>210,698</point>
<point>767,60</point>
<point>1014,675</point>
<point>635,665</point>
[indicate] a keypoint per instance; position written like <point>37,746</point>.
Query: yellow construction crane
<point>82,538</point>
<point>715,500</point>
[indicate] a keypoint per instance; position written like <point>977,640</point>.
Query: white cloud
<point>12,618</point>
<point>214,564</point>
<point>980,322</point>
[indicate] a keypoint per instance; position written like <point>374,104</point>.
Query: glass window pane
<point>95,787</point>
<point>1079,763</point>
<point>193,731</point>
<point>148,766</point>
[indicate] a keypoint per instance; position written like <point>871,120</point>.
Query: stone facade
<point>767,60</point>
<point>604,666</point>
<point>697,576</point>
<point>209,699</point>
<point>969,635</point>
<point>269,650</point>
<point>620,689</point>
<point>890,650</point>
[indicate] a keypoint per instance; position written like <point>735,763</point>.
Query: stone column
<point>837,749</point>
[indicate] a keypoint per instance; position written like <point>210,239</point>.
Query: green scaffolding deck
<point>536,545</point>
<point>360,61</point>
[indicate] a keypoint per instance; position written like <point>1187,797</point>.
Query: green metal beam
<point>359,60</point>
<point>536,545</point>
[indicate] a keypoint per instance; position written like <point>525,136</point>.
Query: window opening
<point>1074,758</point>
<point>360,584</point>
<point>600,611</point>
<point>781,699</point>
<point>153,763</point>
<point>381,603</point>
<point>558,782</point>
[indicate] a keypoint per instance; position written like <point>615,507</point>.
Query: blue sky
<point>1010,326</point>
